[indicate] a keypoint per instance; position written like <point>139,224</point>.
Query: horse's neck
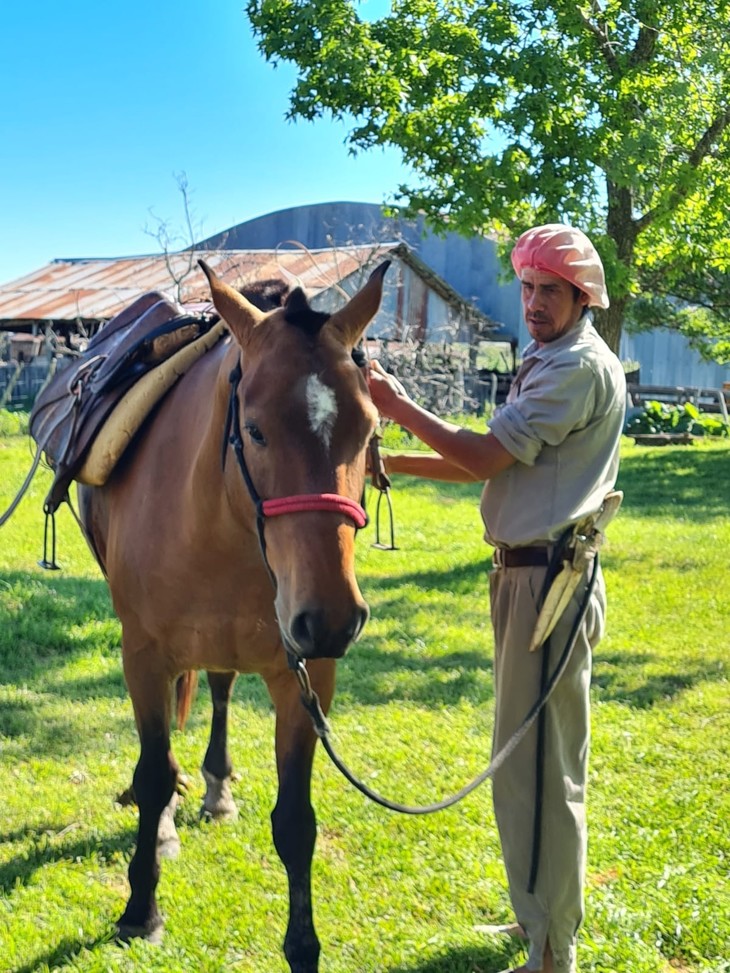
<point>212,459</point>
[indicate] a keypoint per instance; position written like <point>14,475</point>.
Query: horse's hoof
<point>127,798</point>
<point>221,811</point>
<point>168,843</point>
<point>218,803</point>
<point>152,931</point>
<point>169,848</point>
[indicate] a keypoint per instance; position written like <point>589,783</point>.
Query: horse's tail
<point>185,688</point>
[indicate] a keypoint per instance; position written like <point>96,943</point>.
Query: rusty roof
<point>96,289</point>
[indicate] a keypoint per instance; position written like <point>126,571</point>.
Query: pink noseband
<point>316,501</point>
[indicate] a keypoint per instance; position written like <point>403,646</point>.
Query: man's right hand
<point>386,391</point>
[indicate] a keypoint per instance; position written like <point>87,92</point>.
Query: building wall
<point>667,359</point>
<point>409,309</point>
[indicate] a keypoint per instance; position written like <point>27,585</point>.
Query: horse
<point>227,537</point>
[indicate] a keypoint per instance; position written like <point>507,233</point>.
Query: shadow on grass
<point>691,483</point>
<point>483,959</point>
<point>367,676</point>
<point>50,612</point>
<point>64,954</point>
<point>486,958</point>
<point>48,620</point>
<point>619,678</point>
<point>40,621</point>
<point>48,849</point>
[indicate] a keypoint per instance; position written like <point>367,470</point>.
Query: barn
<point>52,312</point>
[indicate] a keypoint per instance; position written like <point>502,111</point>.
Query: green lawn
<point>413,716</point>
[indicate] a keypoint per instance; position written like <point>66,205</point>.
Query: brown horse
<point>241,561</point>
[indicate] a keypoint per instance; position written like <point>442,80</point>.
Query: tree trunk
<point>609,323</point>
<point>621,229</point>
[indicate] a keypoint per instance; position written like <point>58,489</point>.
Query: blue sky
<point>103,103</point>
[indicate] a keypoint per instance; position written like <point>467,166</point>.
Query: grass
<point>413,716</point>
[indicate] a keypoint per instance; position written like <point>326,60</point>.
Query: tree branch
<point>701,151</point>
<point>644,46</point>
<point>604,45</point>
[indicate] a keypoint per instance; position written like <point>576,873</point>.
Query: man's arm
<point>479,455</point>
<point>430,466</point>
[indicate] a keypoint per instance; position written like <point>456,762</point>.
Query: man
<point>549,459</point>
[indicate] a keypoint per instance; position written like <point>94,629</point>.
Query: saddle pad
<point>76,403</point>
<point>135,405</point>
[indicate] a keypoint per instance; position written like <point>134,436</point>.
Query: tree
<point>613,115</point>
<point>178,246</point>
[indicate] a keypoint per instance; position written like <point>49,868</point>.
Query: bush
<point>658,417</point>
<point>13,423</point>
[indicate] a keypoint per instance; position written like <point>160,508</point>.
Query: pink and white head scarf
<point>566,252</point>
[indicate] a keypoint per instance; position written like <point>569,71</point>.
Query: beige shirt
<point>562,420</point>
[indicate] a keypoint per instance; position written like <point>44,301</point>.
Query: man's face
<point>549,304</point>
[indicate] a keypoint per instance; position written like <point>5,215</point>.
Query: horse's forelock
<point>266,295</point>
<point>298,311</point>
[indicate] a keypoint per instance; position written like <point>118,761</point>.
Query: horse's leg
<point>217,768</point>
<point>154,786</point>
<point>293,821</point>
<point>168,841</point>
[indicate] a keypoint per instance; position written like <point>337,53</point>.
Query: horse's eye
<point>255,433</point>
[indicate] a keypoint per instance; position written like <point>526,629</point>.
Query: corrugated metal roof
<point>96,289</point>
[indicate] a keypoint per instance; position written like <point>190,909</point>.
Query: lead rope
<point>551,573</point>
<point>311,703</point>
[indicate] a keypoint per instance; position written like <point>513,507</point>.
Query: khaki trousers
<point>554,910</point>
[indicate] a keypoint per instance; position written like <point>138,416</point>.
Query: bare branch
<point>165,240</point>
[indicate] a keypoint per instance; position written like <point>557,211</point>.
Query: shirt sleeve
<point>549,406</point>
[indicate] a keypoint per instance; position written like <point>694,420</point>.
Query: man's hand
<point>386,391</point>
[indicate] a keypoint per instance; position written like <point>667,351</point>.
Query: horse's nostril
<point>362,615</point>
<point>314,638</point>
<point>307,630</point>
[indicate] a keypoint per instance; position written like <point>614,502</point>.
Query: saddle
<point>71,410</point>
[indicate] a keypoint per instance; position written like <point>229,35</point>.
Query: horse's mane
<point>269,294</point>
<point>298,311</point>
<point>266,294</point>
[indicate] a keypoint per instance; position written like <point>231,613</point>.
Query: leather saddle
<point>72,408</point>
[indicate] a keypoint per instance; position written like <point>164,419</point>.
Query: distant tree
<point>610,114</point>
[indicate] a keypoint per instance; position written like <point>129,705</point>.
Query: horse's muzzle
<point>311,636</point>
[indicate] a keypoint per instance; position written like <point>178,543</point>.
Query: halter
<point>299,503</point>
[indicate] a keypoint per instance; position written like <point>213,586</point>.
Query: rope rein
<point>311,703</point>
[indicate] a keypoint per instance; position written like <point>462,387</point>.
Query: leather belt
<point>521,557</point>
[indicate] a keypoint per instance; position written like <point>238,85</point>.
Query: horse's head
<point>305,417</point>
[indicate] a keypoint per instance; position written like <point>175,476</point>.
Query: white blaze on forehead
<point>321,409</point>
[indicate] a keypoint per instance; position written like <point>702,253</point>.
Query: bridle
<point>298,503</point>
<point>350,508</point>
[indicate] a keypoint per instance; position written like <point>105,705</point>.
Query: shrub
<point>659,417</point>
<point>13,423</point>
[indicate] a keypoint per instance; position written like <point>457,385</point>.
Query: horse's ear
<point>240,315</point>
<point>352,319</point>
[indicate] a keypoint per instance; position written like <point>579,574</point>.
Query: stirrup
<point>377,542</point>
<point>51,565</point>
